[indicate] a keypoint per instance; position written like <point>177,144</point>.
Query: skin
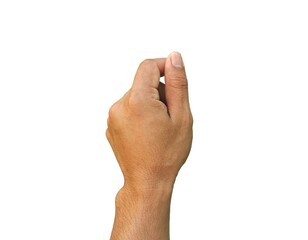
<point>150,132</point>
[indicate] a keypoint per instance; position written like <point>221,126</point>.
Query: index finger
<point>149,72</point>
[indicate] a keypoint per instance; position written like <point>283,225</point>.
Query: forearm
<point>142,213</point>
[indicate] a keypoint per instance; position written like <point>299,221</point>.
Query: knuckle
<point>108,122</point>
<point>148,65</point>
<point>135,99</point>
<point>113,111</point>
<point>188,120</point>
<point>107,134</point>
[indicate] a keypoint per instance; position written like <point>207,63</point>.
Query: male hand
<point>150,132</point>
<point>150,127</point>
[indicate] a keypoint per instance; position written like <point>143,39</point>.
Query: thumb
<point>176,87</point>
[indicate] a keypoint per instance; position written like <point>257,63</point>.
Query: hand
<point>150,132</point>
<point>150,127</point>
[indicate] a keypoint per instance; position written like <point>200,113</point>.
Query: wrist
<point>161,179</point>
<point>146,193</point>
<point>143,211</point>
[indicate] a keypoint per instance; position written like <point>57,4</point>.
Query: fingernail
<point>176,60</point>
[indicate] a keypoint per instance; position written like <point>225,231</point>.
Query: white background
<point>63,63</point>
